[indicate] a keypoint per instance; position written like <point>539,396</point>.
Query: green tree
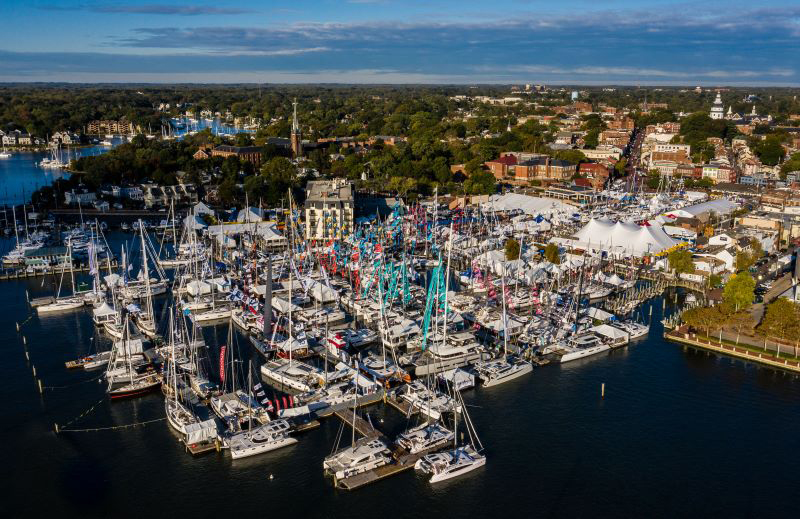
<point>739,291</point>
<point>480,183</point>
<point>512,249</point>
<point>551,254</point>
<point>680,260</point>
<point>770,150</point>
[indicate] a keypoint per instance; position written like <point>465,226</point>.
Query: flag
<point>257,386</point>
<point>260,394</point>
<point>222,363</point>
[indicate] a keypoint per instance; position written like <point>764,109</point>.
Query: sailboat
<point>366,454</point>
<point>179,416</point>
<point>258,439</point>
<point>5,154</point>
<point>124,378</point>
<point>461,460</point>
<point>496,372</point>
<point>63,303</point>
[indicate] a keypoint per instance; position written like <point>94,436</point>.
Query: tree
<point>680,260</point>
<point>744,260</point>
<point>781,320</point>
<point>512,249</point>
<point>480,183</point>
<point>741,322</point>
<point>739,291</point>
<point>770,150</point>
<point>703,318</point>
<point>551,254</point>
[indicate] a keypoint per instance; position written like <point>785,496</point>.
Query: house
<point>201,154</point>
<point>82,197</point>
<point>17,138</point>
<point>66,138</point>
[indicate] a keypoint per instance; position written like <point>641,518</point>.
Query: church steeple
<point>295,138</point>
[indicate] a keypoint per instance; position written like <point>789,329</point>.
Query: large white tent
<point>622,238</point>
<point>530,205</point>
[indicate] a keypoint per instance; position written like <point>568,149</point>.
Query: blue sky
<point>387,41</point>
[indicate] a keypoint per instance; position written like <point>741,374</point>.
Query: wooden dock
<point>371,476</point>
<point>362,427</point>
<point>402,406</point>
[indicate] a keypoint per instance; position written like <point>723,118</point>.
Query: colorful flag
<point>222,363</point>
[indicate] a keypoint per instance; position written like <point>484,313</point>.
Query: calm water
<point>20,176</point>
<point>678,433</point>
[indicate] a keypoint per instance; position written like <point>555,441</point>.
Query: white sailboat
<point>61,304</point>
<point>461,460</point>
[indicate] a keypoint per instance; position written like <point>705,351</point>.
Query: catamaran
<point>461,460</point>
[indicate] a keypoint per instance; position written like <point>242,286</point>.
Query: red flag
<point>222,363</point>
<point>378,248</point>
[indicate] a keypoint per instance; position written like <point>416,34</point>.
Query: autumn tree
<point>739,291</point>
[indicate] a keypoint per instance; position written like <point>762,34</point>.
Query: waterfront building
<point>329,209</point>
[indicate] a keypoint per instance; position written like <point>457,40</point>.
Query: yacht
<point>458,350</point>
<point>258,440</point>
<point>450,464</point>
<point>295,375</point>
<point>427,401</point>
<point>581,346</point>
<point>365,454</point>
<point>61,304</point>
<point>458,379</point>
<point>238,408</point>
<point>424,438</point>
<point>635,330</point>
<point>496,372</point>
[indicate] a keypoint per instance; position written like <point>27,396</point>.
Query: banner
<point>222,363</point>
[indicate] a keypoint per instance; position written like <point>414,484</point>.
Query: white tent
<point>103,311</point>
<point>622,238</point>
<point>530,205</point>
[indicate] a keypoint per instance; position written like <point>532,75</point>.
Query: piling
<point>17,325</point>
<point>41,390</point>
<point>24,340</point>
<point>34,370</point>
<point>56,427</point>
<point>603,390</point>
<point>27,357</point>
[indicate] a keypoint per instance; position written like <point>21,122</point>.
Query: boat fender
<point>284,403</point>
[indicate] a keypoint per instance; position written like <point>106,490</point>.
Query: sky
<point>645,42</point>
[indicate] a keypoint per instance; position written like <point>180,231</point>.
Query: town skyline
<point>660,43</point>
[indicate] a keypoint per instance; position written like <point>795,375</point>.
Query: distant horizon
<point>570,42</point>
<point>709,86</point>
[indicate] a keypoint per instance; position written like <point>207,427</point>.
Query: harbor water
<point>678,432</point>
<point>20,174</point>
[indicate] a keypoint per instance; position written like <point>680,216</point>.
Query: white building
<point>329,209</point>
<point>717,110</point>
